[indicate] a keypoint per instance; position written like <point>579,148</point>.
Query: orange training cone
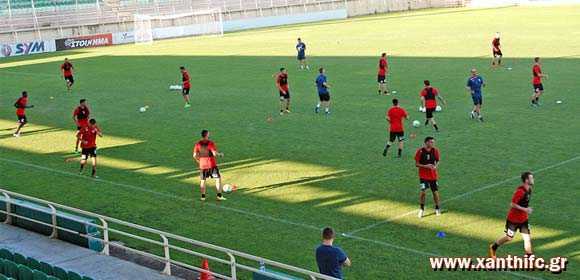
<point>205,275</point>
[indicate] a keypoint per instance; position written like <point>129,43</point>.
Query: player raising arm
<point>517,218</point>
<point>204,153</point>
<point>429,96</point>
<point>88,138</point>
<point>284,90</point>
<point>21,105</point>
<point>67,73</point>
<point>537,76</point>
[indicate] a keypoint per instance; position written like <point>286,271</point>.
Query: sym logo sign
<point>84,42</point>
<point>19,49</point>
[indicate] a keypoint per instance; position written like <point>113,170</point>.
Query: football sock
<point>94,172</point>
<point>436,127</point>
<point>537,99</point>
<point>422,206</point>
<point>387,146</point>
<point>379,91</point>
<point>399,152</point>
<point>426,122</point>
<point>82,167</point>
<point>494,246</point>
<point>219,194</point>
<point>437,207</point>
<point>203,195</point>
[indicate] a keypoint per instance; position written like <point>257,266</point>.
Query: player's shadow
<point>27,133</point>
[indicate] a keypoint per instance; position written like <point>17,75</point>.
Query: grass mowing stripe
<point>464,195</point>
<point>167,195</point>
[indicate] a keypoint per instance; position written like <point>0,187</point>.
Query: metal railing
<point>237,262</point>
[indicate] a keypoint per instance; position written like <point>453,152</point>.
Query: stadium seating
<point>18,267</point>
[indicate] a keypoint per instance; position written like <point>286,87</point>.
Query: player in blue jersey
<point>474,85</point>
<point>323,93</point>
<point>301,49</point>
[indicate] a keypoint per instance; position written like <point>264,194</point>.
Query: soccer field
<point>304,171</point>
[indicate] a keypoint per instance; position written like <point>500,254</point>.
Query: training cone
<point>440,234</point>
<point>205,275</point>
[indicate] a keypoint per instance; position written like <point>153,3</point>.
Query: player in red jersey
<point>427,160</point>
<point>429,96</point>
<point>88,138</point>
<point>382,75</point>
<point>284,90</point>
<point>21,105</point>
<point>496,52</point>
<point>67,73</point>
<point>81,117</point>
<point>537,76</point>
<point>517,218</point>
<point>186,86</point>
<point>395,116</point>
<point>204,153</point>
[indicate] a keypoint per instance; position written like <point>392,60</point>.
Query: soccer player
<point>537,82</point>
<point>204,153</point>
<point>496,50</point>
<point>474,85</point>
<point>517,218</point>
<point>301,49</point>
<point>81,117</point>
<point>429,96</point>
<point>395,116</point>
<point>21,105</point>
<point>427,160</point>
<point>67,73</point>
<point>88,138</point>
<point>323,93</point>
<point>284,90</point>
<point>186,86</point>
<point>382,75</point>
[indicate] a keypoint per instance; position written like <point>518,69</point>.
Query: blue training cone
<point>440,234</point>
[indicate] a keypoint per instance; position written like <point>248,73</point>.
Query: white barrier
<point>251,23</point>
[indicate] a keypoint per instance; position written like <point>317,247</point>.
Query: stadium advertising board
<point>26,48</point>
<point>123,37</point>
<point>90,41</point>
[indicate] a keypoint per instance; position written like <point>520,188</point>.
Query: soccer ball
<point>227,188</point>
<point>142,109</point>
<point>438,108</point>
<point>416,123</point>
<point>175,87</point>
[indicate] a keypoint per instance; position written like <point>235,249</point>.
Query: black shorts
<point>210,173</point>
<point>89,152</point>
<point>396,135</point>
<point>284,96</point>
<point>497,53</point>
<point>538,87</point>
<point>381,79</point>
<point>301,56</point>
<point>511,228</point>
<point>428,184</point>
<point>69,79</point>
<point>22,119</point>
<point>324,97</point>
<point>429,112</point>
<point>185,91</point>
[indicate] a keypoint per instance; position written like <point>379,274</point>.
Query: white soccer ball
<point>175,87</point>
<point>142,109</point>
<point>416,123</point>
<point>422,109</point>
<point>227,188</point>
<point>438,108</point>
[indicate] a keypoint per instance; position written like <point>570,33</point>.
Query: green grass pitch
<point>303,171</point>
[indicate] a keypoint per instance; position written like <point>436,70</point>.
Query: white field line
<point>167,195</point>
<point>482,188</point>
